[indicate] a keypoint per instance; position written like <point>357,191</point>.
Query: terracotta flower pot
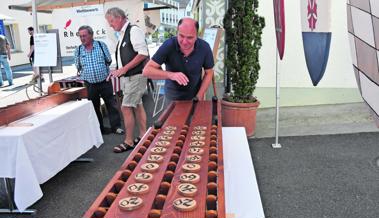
<point>240,115</point>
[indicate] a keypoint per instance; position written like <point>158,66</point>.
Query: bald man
<point>184,55</point>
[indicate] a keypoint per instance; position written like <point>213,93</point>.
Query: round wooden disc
<point>187,189</point>
<point>184,204</point>
<point>138,188</point>
<point>191,167</point>
<point>196,150</point>
<point>158,150</point>
<point>197,138</point>
<point>168,132</point>
<point>189,178</point>
<point>144,177</point>
<point>200,128</point>
<point>165,137</point>
<point>193,158</point>
<point>197,144</point>
<point>150,167</point>
<point>162,143</point>
<point>155,158</point>
<point>198,132</point>
<point>170,128</point>
<point>130,203</point>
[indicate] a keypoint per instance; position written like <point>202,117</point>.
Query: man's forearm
<point>155,73</point>
<point>205,84</point>
<point>136,60</point>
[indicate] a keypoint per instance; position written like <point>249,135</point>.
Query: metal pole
<point>35,26</point>
<point>277,145</point>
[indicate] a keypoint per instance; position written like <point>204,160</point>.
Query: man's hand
<point>179,77</point>
<point>115,73</point>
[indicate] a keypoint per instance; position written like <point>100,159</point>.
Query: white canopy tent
<point>48,6</point>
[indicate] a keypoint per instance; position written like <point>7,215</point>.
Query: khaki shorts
<point>133,88</point>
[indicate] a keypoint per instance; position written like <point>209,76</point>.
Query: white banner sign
<point>210,35</point>
<point>68,21</point>
<point>88,10</point>
<point>45,50</point>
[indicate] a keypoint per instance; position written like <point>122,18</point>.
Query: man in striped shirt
<point>92,59</point>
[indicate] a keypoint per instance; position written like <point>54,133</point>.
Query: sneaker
<point>118,131</point>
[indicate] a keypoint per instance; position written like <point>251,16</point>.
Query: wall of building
<point>338,84</point>
<point>339,72</point>
<point>22,20</point>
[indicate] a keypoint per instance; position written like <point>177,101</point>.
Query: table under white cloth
<point>242,198</point>
<point>34,154</point>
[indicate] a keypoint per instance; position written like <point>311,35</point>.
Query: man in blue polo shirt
<point>184,56</point>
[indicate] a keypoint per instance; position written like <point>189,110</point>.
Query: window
<point>10,34</point>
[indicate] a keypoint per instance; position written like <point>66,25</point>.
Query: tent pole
<point>277,145</point>
<point>35,26</point>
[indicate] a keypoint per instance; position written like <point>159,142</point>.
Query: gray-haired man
<point>131,53</point>
<point>92,59</point>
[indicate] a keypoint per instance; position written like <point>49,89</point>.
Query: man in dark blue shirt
<point>184,56</point>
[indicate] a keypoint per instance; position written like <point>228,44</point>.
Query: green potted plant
<point>243,33</point>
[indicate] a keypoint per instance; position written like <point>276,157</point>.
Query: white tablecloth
<point>242,198</point>
<point>34,154</point>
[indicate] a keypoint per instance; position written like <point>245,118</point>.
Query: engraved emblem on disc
<point>170,128</point>
<point>130,203</point>
<point>187,189</point>
<point>143,177</point>
<point>158,150</point>
<point>149,167</point>
<point>138,188</point>
<point>155,158</point>
<point>197,144</point>
<point>200,128</point>
<point>197,138</point>
<point>196,150</point>
<point>165,137</point>
<point>184,204</point>
<point>193,158</point>
<point>191,167</point>
<point>189,178</point>
<point>162,143</point>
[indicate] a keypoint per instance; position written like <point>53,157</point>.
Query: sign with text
<point>210,35</point>
<point>68,21</point>
<point>45,49</point>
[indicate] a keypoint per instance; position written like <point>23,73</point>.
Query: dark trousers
<point>104,90</point>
